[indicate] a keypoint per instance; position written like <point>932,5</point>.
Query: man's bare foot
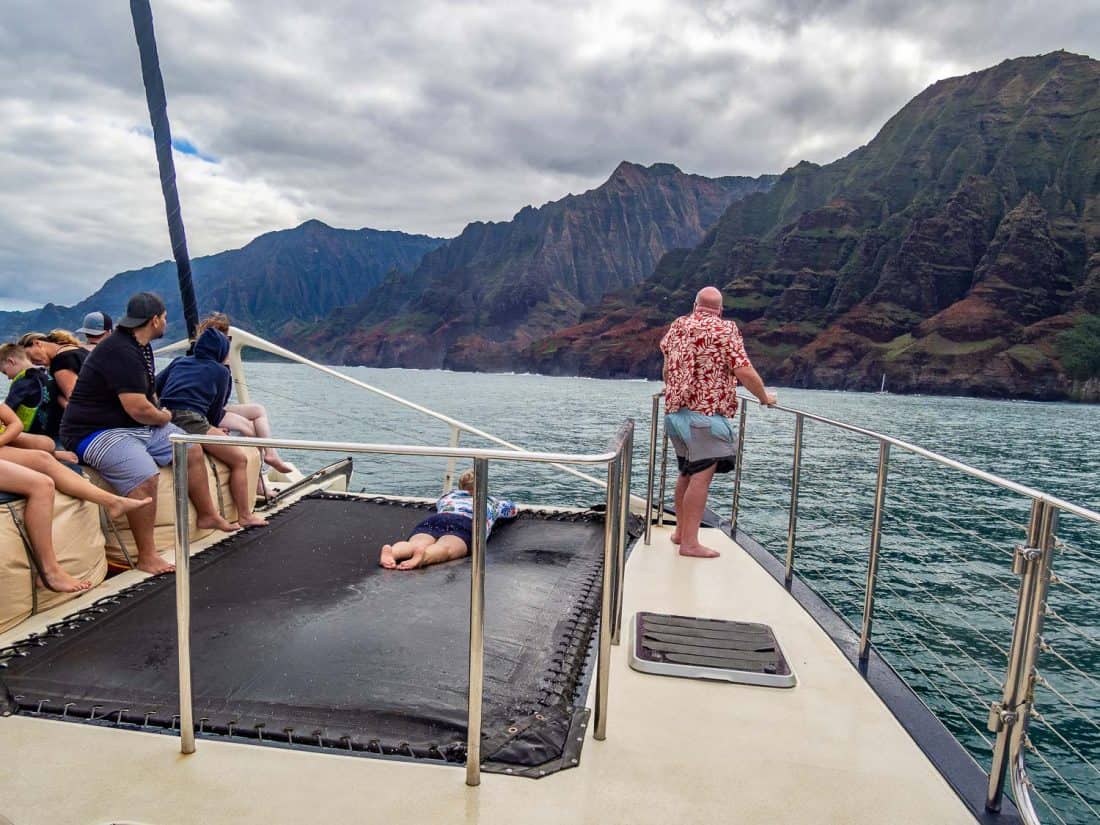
<point>155,564</point>
<point>414,561</point>
<point>385,558</point>
<point>271,458</point>
<point>252,520</point>
<point>675,538</point>
<point>216,522</point>
<point>61,582</point>
<point>698,551</point>
<point>120,506</point>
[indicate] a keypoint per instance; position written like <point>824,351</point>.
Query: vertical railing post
<point>792,518</point>
<point>603,662</point>
<point>477,621</point>
<point>449,476</point>
<point>872,560</point>
<point>614,515</point>
<point>737,471</point>
<point>664,477</point>
<point>1018,743</point>
<point>236,370</point>
<point>625,464</point>
<point>655,411</point>
<point>1007,717</point>
<point>183,596</point>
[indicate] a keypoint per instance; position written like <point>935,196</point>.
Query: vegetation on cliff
<point>949,253</point>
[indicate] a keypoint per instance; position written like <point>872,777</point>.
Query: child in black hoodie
<point>195,389</point>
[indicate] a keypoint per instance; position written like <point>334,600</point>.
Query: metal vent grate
<point>742,652</point>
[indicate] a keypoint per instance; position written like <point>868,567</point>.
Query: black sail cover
<point>299,637</point>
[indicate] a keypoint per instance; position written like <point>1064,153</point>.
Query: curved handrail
<point>992,478</point>
<point>243,338</point>
<point>1010,717</point>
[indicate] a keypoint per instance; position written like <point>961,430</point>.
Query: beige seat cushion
<point>165,530</point>
<point>78,543</point>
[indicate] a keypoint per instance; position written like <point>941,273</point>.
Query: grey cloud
<point>425,115</point>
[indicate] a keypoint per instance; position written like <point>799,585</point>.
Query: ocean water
<point>946,594</point>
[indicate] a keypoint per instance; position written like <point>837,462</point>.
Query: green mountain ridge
<point>478,302</point>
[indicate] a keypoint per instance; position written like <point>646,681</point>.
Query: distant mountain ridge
<point>301,273</point>
<point>954,253</point>
<point>479,301</point>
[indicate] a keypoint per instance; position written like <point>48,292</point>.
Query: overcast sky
<point>424,115</point>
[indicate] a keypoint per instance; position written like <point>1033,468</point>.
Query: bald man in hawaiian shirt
<point>704,361</point>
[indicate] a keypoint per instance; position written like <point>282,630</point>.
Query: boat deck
<point>677,750</point>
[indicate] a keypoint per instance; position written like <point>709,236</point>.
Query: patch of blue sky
<point>181,145</point>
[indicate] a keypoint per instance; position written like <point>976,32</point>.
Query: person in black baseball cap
<point>114,423</point>
<point>142,308</point>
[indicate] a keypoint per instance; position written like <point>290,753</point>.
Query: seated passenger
<point>35,474</point>
<point>250,420</point>
<point>447,534</point>
<point>97,326</point>
<point>113,423</point>
<point>62,353</point>
<point>29,395</point>
<point>194,389</point>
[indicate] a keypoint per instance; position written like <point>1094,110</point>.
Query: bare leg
<point>206,515</point>
<point>142,522</point>
<point>27,441</point>
<point>444,548</point>
<point>71,483</point>
<point>401,550</point>
<point>237,461</point>
<point>251,419</point>
<point>691,515</point>
<point>681,488</point>
<point>38,519</point>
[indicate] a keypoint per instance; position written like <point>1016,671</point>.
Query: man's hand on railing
<point>769,399</point>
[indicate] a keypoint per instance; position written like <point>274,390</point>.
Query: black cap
<point>140,308</point>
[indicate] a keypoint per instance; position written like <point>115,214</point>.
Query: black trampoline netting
<point>299,637</point>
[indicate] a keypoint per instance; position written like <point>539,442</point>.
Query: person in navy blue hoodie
<point>195,389</point>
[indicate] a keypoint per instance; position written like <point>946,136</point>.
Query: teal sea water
<point>946,592</point>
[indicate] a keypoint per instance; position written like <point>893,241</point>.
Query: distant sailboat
<point>882,389</point>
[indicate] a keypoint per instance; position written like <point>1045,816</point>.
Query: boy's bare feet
<point>59,581</point>
<point>216,522</point>
<point>675,538</point>
<point>154,564</point>
<point>698,551</point>
<point>252,520</point>
<point>121,505</point>
<point>385,558</point>
<point>271,459</point>
<point>66,456</point>
<point>414,561</point>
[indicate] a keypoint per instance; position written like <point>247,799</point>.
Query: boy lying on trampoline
<point>448,533</point>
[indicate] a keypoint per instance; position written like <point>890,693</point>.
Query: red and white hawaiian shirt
<point>701,352</point>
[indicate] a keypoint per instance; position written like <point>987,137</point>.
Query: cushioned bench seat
<point>78,543</point>
<point>84,547</point>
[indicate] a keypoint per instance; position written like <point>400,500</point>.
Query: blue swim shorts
<point>127,456</point>
<point>447,524</point>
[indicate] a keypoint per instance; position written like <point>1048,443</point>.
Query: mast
<point>142,14</point>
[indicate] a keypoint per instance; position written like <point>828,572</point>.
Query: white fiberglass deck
<point>677,750</point>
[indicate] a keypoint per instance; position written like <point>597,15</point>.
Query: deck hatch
<point>300,639</point>
<point>698,648</point>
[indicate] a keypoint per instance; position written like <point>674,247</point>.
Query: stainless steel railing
<point>242,338</point>
<point>617,459</point>
<point>1010,716</point>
